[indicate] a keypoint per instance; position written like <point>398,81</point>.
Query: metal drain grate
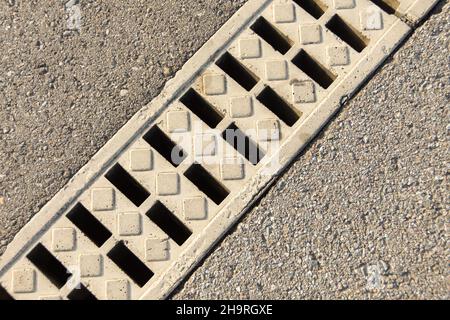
<point>139,216</point>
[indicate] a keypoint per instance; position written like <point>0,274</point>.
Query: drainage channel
<point>151,204</point>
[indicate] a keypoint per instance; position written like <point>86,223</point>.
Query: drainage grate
<point>139,216</point>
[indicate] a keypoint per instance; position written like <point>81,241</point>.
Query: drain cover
<point>139,216</point>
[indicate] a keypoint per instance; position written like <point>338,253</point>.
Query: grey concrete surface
<point>361,214</point>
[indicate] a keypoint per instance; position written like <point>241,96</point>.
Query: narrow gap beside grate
<point>201,108</point>
<point>89,225</point>
<point>283,110</point>
<point>314,69</point>
<point>130,264</point>
<point>128,185</point>
<point>206,183</point>
<point>51,267</point>
<point>81,293</point>
<point>314,7</point>
<point>243,144</point>
<point>388,6</point>
<point>169,223</point>
<point>159,141</point>
<point>271,35</point>
<point>4,295</point>
<point>237,71</point>
<point>347,33</point>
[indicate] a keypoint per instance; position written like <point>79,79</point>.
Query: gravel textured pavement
<point>362,213</point>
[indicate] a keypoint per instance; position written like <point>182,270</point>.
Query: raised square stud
<point>129,224</point>
<point>117,289</point>
<point>304,92</point>
<point>371,18</point>
<point>103,199</point>
<point>23,281</point>
<point>241,107</point>
<point>338,56</point>
<point>250,48</point>
<point>194,208</point>
<point>276,70</point>
<point>268,130</point>
<point>310,33</point>
<point>178,121</point>
<point>214,84</point>
<point>141,160</point>
<point>205,144</point>
<point>157,249</point>
<point>283,13</point>
<point>167,183</point>
<point>91,265</point>
<point>344,4</point>
<point>63,239</point>
<point>232,169</point>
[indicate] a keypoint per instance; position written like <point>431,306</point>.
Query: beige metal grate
<point>155,199</point>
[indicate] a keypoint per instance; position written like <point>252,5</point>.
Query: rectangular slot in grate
<point>169,223</point>
<point>159,141</point>
<point>206,183</point>
<point>89,225</point>
<point>51,267</point>
<point>313,69</point>
<point>269,98</point>
<point>237,71</point>
<point>347,33</point>
<point>243,144</point>
<point>4,295</point>
<point>81,293</point>
<point>388,6</point>
<point>126,184</point>
<point>314,7</point>
<point>201,108</point>
<point>271,35</point>
<point>130,264</point>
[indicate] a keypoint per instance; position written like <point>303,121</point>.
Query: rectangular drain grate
<point>157,197</point>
